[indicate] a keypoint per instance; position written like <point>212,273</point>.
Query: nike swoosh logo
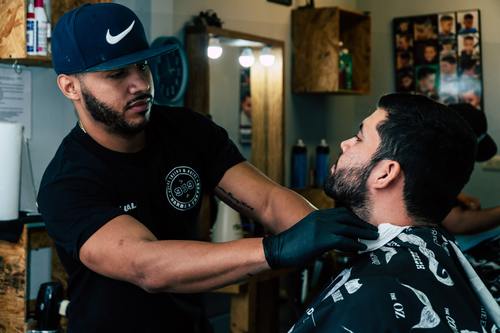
<point>115,39</point>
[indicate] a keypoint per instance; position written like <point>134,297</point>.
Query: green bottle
<point>346,69</point>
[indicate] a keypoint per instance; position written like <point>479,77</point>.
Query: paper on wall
<point>15,98</point>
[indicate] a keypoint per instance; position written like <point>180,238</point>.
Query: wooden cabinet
<point>16,305</point>
<point>316,37</point>
<point>13,28</point>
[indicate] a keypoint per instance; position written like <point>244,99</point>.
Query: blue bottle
<point>299,165</point>
<point>322,163</point>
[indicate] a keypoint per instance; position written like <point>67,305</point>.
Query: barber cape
<point>412,279</point>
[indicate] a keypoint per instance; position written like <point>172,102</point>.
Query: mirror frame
<point>267,86</point>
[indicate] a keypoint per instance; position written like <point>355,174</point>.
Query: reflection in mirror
<point>241,88</point>
<point>230,93</point>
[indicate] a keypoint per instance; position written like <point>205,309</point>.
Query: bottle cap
<point>323,143</point>
<point>300,143</point>
<point>38,3</point>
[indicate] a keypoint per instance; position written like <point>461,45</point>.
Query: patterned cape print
<point>415,282</point>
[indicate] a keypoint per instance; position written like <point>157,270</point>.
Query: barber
<point>122,194</point>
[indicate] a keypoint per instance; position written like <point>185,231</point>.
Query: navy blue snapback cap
<point>99,37</point>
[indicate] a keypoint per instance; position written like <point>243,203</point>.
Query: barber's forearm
<point>285,208</point>
<point>189,266</point>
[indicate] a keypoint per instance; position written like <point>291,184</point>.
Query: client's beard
<point>348,188</point>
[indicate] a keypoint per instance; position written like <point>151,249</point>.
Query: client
<point>402,172</point>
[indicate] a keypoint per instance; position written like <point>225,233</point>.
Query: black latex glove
<point>318,232</point>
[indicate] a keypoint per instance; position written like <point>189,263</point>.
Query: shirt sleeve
<point>74,208</point>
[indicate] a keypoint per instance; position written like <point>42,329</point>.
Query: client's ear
<point>385,174</point>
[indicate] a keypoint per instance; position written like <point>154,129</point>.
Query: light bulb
<point>266,57</point>
<point>214,50</point>
<point>246,58</point>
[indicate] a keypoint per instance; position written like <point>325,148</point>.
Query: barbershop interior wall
<point>306,116</point>
<point>483,184</point>
<point>53,115</point>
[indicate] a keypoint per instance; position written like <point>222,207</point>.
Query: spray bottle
<point>322,161</point>
<point>299,165</point>
<point>31,30</point>
<point>41,20</point>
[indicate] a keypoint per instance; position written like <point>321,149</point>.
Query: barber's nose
<point>141,81</point>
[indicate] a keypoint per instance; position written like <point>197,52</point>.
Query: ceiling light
<point>214,50</point>
<point>246,58</point>
<point>266,57</point>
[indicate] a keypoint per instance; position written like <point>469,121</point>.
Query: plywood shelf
<point>317,34</point>
<point>13,29</point>
<point>39,61</point>
<point>15,304</point>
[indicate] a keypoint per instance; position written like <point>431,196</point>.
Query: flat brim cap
<point>99,37</point>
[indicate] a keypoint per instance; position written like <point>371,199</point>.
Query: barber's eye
<point>117,74</point>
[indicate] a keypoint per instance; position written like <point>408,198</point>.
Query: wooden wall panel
<point>59,7</point>
<point>197,93</point>
<point>12,29</point>
<point>258,78</point>
<point>275,115</point>
<point>315,37</point>
<point>13,26</point>
<point>13,285</point>
<point>14,305</point>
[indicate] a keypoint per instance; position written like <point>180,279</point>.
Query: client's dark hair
<point>435,148</point>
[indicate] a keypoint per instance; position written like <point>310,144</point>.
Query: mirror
<point>246,101</point>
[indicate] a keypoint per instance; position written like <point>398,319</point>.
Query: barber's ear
<point>385,173</point>
<point>69,86</point>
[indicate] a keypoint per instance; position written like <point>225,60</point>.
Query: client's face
<point>347,183</point>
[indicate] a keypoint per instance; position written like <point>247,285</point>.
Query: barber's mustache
<point>142,97</point>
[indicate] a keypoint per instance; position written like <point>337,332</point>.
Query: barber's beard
<point>347,186</point>
<point>113,119</point>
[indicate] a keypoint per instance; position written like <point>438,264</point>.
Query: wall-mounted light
<point>246,58</point>
<point>266,57</point>
<point>214,50</point>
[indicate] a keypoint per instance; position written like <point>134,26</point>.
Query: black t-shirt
<point>87,185</point>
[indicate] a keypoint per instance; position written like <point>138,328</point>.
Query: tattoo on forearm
<point>234,200</point>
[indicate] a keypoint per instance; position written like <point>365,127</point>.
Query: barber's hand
<point>318,232</point>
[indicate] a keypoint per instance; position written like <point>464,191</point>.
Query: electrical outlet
<point>493,164</point>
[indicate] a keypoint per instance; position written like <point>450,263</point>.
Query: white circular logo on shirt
<point>183,188</point>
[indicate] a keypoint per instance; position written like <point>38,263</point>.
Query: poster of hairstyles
<point>439,56</point>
